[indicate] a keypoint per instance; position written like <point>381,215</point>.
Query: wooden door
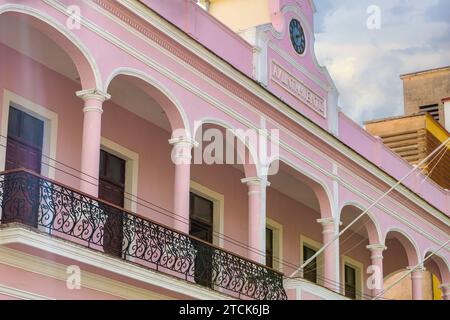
<point>112,189</point>
<point>23,150</point>
<point>201,226</point>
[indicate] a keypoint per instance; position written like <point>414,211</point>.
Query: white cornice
<point>51,269</point>
<point>21,294</point>
<point>16,234</point>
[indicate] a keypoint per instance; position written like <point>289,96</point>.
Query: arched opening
<point>42,66</point>
<point>438,274</point>
<point>139,120</point>
<point>220,161</point>
<point>400,254</point>
<point>355,257</point>
<point>295,203</point>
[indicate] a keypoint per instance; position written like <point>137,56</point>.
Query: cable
<point>371,206</point>
<point>172,215</point>
<point>411,270</point>
<point>434,167</point>
<point>426,165</point>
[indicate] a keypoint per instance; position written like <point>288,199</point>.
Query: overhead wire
<point>160,210</point>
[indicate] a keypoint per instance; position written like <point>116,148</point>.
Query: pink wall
<point>297,219</point>
<point>46,286</point>
<point>371,148</point>
<point>204,28</point>
<point>57,93</point>
<point>47,88</point>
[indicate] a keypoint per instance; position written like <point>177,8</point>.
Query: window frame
<point>50,134</point>
<point>359,267</point>
<point>131,170</point>
<point>277,232</point>
<point>315,245</point>
<point>218,200</point>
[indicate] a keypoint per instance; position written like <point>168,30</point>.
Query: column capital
<point>93,94</point>
<point>183,142</point>
<point>255,181</point>
<point>328,221</point>
<point>376,250</point>
<point>376,247</point>
<point>447,99</point>
<point>418,269</point>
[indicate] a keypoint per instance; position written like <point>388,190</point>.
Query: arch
<point>408,244</point>
<point>250,169</point>
<point>440,268</point>
<point>321,190</point>
<point>84,61</point>
<point>168,102</point>
<point>371,224</point>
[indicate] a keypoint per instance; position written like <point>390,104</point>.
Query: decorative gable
<point>285,61</point>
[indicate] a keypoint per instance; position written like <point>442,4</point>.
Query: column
<point>446,103</point>
<point>445,288</point>
<point>257,218</point>
<point>376,256</point>
<point>329,254</point>
<point>181,157</point>
<point>417,283</point>
<point>90,149</point>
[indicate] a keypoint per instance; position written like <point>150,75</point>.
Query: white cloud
<point>366,64</point>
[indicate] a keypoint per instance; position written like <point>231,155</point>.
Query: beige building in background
<point>424,91</point>
<point>413,136</point>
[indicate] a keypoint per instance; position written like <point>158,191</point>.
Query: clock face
<point>297,36</point>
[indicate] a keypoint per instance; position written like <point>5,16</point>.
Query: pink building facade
<point>146,82</point>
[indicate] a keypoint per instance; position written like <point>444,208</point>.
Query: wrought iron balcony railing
<point>63,212</point>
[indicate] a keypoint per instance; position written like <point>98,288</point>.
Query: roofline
<point>395,118</point>
<point>314,125</point>
<point>417,73</point>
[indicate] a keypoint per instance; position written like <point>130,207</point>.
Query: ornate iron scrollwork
<point>63,212</point>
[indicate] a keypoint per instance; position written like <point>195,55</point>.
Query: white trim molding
<point>21,235</point>
<point>277,229</point>
<point>131,170</point>
<point>218,201</point>
<point>44,114</point>
<point>58,271</point>
<point>21,294</point>
<point>302,286</point>
<point>359,270</point>
<point>315,245</point>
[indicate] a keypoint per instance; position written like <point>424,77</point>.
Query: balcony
<point>60,211</point>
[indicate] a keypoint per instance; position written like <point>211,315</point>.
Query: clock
<point>297,36</point>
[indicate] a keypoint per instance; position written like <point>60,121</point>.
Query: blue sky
<point>366,64</point>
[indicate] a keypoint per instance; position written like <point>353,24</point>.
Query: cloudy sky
<point>366,64</point>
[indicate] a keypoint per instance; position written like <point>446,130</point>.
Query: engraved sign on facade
<point>297,89</point>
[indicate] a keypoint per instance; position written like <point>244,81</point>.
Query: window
<point>274,244</point>
<point>201,226</point>
<point>310,271</point>
<point>23,150</point>
<point>25,141</point>
<point>201,217</point>
<point>350,282</point>
<point>111,178</point>
<point>352,278</point>
<point>44,140</point>
<point>269,247</point>
<point>25,128</point>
